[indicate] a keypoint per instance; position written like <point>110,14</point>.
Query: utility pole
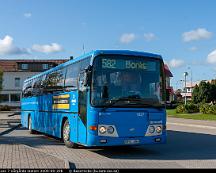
<point>83,48</point>
<point>185,75</point>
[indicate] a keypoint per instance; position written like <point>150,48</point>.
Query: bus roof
<point>95,53</point>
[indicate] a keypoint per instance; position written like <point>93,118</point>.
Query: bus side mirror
<point>87,76</point>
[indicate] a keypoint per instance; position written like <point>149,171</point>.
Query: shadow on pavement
<point>10,129</point>
<point>15,113</point>
<point>180,146</point>
<point>21,135</point>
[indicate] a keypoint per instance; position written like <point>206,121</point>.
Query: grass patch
<point>195,116</point>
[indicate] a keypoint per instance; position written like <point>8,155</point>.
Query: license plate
<point>131,141</point>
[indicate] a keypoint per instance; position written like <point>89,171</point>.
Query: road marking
<point>192,125</point>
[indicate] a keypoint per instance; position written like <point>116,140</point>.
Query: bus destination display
<point>128,64</point>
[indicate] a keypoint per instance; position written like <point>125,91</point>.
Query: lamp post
<point>185,75</point>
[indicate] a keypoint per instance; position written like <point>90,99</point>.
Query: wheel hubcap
<point>66,132</point>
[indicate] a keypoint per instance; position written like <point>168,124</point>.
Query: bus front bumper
<point>120,141</point>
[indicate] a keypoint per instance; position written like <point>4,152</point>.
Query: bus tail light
<point>93,128</point>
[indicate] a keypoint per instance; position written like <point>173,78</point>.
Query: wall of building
<point>12,89</point>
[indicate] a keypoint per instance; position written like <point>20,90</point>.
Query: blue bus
<point>103,98</point>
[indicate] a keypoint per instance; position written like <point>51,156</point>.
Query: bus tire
<point>31,131</point>
<point>66,135</point>
<point>30,125</point>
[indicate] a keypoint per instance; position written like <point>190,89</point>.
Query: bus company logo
<point>131,129</point>
<point>73,102</point>
<point>140,114</point>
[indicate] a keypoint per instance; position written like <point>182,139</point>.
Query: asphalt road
<point>190,144</point>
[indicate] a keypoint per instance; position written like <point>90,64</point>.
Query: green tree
<point>195,94</point>
<point>203,92</point>
<point>213,92</point>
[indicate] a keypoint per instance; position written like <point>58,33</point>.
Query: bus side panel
<point>58,115</point>
<point>92,120</point>
<point>73,116</point>
<point>28,107</point>
<point>24,118</point>
<point>73,126</point>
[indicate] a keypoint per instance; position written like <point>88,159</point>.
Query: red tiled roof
<point>167,71</point>
<point>12,65</point>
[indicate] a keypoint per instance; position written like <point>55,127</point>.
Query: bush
<point>189,108</point>
<point>180,109</point>
<point>212,109</point>
<point>204,108</point>
<point>5,108</point>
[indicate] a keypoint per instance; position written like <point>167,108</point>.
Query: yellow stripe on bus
<point>61,106</point>
<point>61,96</point>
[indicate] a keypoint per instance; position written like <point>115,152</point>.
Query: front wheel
<point>66,135</point>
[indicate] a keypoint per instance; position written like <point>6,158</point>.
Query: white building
<point>14,74</point>
<point>189,90</point>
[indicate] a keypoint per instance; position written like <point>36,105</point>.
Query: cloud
<point>7,47</point>
<point>51,48</point>
<point>175,63</point>
<point>211,59</point>
<point>149,36</point>
<point>27,15</point>
<point>194,48</point>
<point>198,34</point>
<point>127,38</point>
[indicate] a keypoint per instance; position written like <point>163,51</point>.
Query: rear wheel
<point>30,126</point>
<point>66,135</point>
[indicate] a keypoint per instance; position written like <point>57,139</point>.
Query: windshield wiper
<point>114,101</point>
<point>131,99</point>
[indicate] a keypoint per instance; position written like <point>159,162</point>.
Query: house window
<point>4,98</point>
<point>45,66</point>
<point>17,82</point>
<point>24,66</point>
<point>15,97</point>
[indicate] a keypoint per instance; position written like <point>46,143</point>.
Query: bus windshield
<point>126,81</point>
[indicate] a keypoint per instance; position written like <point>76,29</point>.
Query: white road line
<point>191,125</point>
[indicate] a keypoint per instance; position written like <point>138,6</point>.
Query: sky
<point>182,32</point>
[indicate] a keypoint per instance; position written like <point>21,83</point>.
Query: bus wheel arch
<point>65,131</point>
<point>31,131</point>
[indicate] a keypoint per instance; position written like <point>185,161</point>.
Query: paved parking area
<point>187,147</point>
<point>14,154</point>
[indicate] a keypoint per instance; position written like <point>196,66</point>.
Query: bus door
<point>82,110</point>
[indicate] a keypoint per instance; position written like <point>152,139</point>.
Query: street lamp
<point>185,75</point>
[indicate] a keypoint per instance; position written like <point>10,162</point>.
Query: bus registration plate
<point>131,141</point>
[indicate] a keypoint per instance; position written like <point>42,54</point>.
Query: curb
<point>192,125</point>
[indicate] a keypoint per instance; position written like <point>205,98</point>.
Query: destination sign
<point>108,63</point>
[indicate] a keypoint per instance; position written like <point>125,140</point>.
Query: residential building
<point>189,90</point>
<point>169,88</point>
<point>14,74</point>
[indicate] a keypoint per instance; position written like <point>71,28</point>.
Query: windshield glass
<point>126,81</point>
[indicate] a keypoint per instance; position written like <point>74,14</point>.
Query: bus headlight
<point>102,129</point>
<point>110,130</point>
<point>158,129</point>
<point>151,129</point>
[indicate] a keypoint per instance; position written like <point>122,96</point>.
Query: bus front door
<point>82,111</point>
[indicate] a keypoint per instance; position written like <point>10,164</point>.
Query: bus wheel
<point>30,125</point>
<point>66,135</point>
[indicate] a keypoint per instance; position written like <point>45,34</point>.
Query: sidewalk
<point>15,155</point>
<point>192,122</point>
